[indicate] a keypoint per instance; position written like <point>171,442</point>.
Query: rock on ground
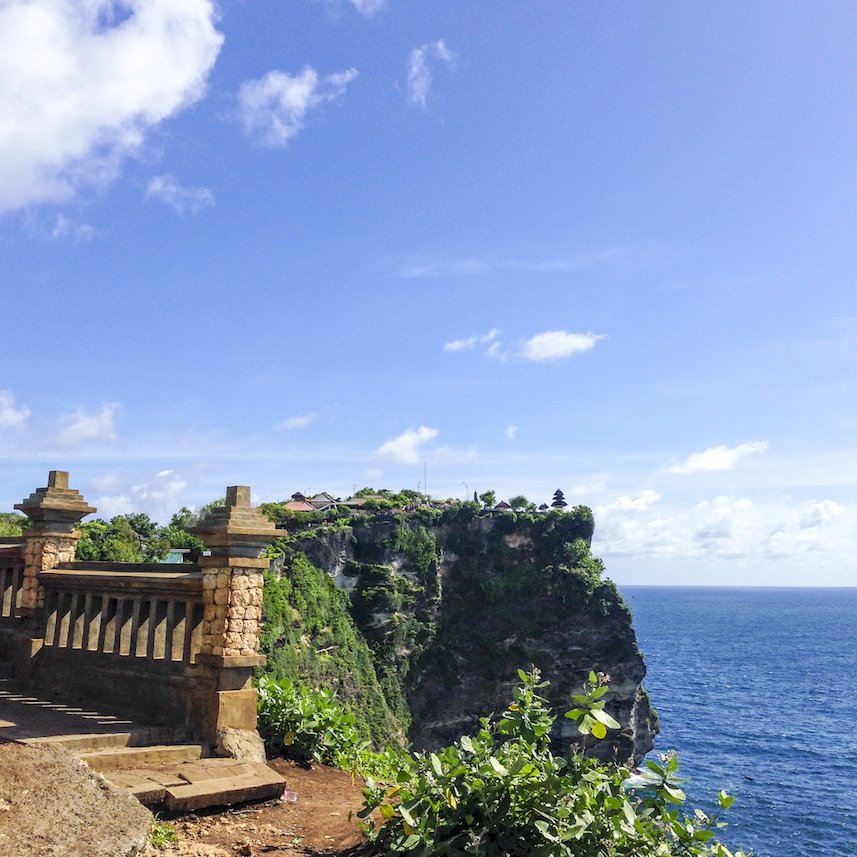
<point>53,805</point>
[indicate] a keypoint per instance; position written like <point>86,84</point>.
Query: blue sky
<point>308,245</point>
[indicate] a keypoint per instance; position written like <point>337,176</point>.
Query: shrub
<point>502,792</point>
<point>305,724</point>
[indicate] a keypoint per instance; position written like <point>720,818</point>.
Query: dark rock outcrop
<point>451,609</point>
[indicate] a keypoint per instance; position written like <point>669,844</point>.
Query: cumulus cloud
<point>298,422</point>
<point>166,189</point>
<point>511,431</point>
<point>718,458</point>
<point>11,415</point>
<point>557,345</point>
<point>419,69</point>
<point>273,109</point>
<point>470,342</point>
<point>65,227</point>
<point>84,427</point>
<point>82,83</point>
<point>407,448</point>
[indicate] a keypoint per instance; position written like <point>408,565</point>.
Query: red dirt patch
<point>317,823</point>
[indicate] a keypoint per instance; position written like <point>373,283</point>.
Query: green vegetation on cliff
<point>308,636</point>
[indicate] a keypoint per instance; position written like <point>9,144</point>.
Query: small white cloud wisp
<point>470,342</point>
<point>718,458</point>
<point>419,69</point>
<point>167,190</point>
<point>368,8</point>
<point>273,108</point>
<point>557,345</point>
<point>297,422</point>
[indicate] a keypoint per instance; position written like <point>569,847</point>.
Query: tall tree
<point>489,498</point>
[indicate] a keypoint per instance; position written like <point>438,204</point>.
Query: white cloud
<point>511,431</point>
<point>160,495</point>
<point>82,427</point>
<point>298,422</point>
<point>65,227</point>
<point>470,342</point>
<point>168,190</point>
<point>274,108</point>
<point>419,71</point>
<point>557,344</point>
<point>368,8</point>
<point>407,447</point>
<point>724,528</point>
<point>82,83</point>
<point>640,503</point>
<point>12,415</point>
<point>718,458</point>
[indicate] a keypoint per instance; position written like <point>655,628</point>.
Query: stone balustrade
<point>161,643</point>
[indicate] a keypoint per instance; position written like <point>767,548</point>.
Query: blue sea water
<point>757,691</point>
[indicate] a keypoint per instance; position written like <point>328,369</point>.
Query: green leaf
<point>599,730</point>
<point>606,719</point>
<point>466,744</point>
<point>435,763</point>
<point>406,815</point>
<point>498,767</point>
<point>725,800</point>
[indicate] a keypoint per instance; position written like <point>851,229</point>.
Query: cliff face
<point>451,607</point>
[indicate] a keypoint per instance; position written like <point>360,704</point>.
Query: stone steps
<point>90,742</point>
<point>199,784</point>
<point>118,758</point>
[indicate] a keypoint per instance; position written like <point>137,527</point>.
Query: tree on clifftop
<point>558,500</point>
<point>489,498</point>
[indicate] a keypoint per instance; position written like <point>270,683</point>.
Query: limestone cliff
<point>452,604</point>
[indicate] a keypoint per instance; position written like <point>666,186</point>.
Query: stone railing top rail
<point>158,568</point>
<point>85,576</point>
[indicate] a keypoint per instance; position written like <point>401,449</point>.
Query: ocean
<point>757,691</point>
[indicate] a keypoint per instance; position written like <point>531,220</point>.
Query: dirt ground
<point>52,805</point>
<point>316,824</point>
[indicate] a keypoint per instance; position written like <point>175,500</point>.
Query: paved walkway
<point>24,715</point>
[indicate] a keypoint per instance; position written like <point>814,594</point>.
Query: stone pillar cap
<point>57,506</point>
<point>236,528</point>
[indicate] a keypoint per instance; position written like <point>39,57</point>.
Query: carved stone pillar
<point>236,534</point>
<point>51,538</point>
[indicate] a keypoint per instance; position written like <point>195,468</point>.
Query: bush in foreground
<point>502,792</point>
